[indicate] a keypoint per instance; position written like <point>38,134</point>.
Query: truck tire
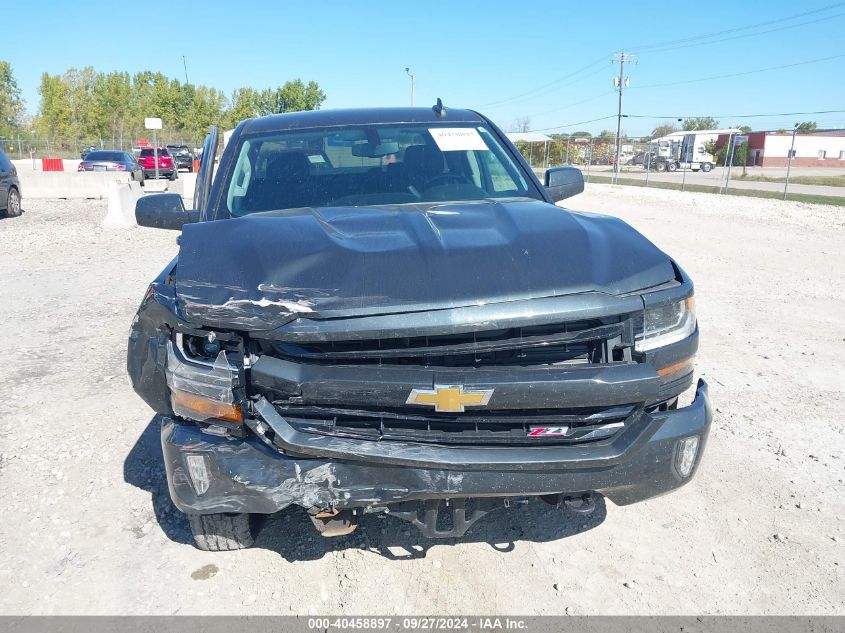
<point>706,167</point>
<point>660,167</point>
<point>13,203</point>
<point>223,532</point>
<point>671,167</point>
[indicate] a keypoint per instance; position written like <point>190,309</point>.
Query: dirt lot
<point>88,526</point>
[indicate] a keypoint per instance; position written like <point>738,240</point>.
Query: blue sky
<point>545,61</point>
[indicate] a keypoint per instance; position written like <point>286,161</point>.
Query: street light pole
<point>789,160</point>
<point>413,86</point>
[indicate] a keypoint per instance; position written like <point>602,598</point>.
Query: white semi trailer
<point>683,150</point>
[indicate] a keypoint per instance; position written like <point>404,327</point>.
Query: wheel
<point>706,167</point>
<point>191,168</point>
<point>223,532</point>
<point>660,167</point>
<point>671,167</point>
<point>174,175</point>
<point>13,203</point>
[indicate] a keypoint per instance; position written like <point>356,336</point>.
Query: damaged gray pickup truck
<point>383,311</point>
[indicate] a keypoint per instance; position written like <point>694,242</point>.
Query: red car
<point>166,166</point>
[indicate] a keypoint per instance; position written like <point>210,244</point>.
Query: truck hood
<point>259,271</point>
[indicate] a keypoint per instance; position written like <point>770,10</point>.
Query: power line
<point>675,116</point>
<point>571,105</point>
<point>729,116</point>
<point>740,74</point>
<point>737,37</point>
<point>795,16</point>
<point>533,92</point>
<point>558,127</point>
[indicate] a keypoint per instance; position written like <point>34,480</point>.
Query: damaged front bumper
<point>251,476</point>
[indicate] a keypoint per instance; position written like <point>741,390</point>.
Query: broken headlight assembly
<point>203,381</point>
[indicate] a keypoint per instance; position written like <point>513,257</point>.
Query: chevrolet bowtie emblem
<point>450,399</point>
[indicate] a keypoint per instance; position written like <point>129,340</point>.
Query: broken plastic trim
<point>214,381</point>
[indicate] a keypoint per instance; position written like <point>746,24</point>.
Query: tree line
<point>110,107</point>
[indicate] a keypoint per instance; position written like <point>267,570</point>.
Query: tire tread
<point>222,532</point>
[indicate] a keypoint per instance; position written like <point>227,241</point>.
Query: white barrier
<point>121,205</point>
<point>189,185</point>
<point>73,185</point>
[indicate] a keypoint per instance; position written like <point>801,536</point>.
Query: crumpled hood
<point>253,272</point>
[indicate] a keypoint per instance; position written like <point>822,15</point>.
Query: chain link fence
<point>644,161</point>
<point>23,146</point>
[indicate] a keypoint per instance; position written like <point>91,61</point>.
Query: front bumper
<point>249,476</point>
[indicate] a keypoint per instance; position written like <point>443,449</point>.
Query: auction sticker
<point>454,139</point>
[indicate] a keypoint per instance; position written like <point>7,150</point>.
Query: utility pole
<point>413,86</point>
<point>621,83</point>
<point>185,65</point>
<point>789,160</point>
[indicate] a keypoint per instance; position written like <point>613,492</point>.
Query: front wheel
<point>706,167</point>
<point>13,203</point>
<point>224,532</point>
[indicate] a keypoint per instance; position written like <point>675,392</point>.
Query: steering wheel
<point>446,179</point>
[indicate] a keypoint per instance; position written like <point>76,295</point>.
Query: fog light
<point>687,450</point>
<point>198,473</point>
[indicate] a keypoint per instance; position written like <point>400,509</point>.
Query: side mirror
<point>564,182</point>
<point>163,211</point>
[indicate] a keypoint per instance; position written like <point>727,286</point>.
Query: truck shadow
<point>144,469</point>
<point>291,534</point>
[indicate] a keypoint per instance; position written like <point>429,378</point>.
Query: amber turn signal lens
<point>680,367</point>
<point>196,407</point>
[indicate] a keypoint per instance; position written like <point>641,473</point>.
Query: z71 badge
<point>548,431</point>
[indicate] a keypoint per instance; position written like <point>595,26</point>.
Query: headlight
<point>203,391</point>
<point>666,324</point>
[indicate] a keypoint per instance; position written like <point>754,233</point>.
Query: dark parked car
<point>166,164</point>
<point>106,160</point>
<point>10,187</point>
<point>414,328</point>
<point>183,156</point>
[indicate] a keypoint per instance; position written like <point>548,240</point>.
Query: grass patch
<point>751,193</point>
<point>829,181</point>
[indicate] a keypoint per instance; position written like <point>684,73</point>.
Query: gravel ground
<point>88,526</point>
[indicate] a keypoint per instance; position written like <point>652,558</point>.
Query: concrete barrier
<point>121,204</point>
<point>156,186</point>
<point>189,185</point>
<point>38,184</point>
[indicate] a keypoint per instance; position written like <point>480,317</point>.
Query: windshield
<point>372,165</point>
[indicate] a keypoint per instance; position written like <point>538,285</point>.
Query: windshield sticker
<point>454,139</point>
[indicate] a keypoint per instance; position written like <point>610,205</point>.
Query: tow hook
<point>334,522</point>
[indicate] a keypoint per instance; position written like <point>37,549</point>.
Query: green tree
<point>806,127</point>
<point>11,104</point>
<point>54,116</point>
<point>700,123</point>
<point>665,127</point>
